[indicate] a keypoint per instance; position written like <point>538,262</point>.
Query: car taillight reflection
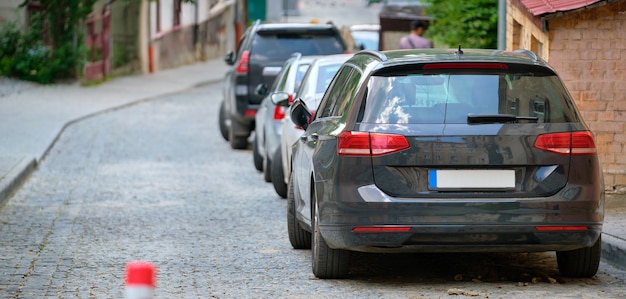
<point>280,111</point>
<point>369,144</point>
<point>575,143</point>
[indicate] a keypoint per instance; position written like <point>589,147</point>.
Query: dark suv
<point>443,150</point>
<point>262,51</point>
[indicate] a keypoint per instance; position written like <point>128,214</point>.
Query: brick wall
<point>588,50</point>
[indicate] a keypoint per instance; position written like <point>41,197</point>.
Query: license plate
<point>471,179</point>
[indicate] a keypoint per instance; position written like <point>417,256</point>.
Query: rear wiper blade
<point>498,118</point>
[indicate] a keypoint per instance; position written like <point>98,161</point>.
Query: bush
<point>24,55</point>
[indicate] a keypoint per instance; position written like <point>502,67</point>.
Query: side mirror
<point>261,89</point>
<point>300,114</point>
<point>230,58</point>
<point>281,99</point>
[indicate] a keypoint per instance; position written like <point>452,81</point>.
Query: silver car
<point>314,84</point>
<point>268,117</point>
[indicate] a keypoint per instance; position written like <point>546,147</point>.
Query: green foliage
<point>469,23</point>
<point>24,55</point>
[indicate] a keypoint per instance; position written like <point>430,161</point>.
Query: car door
<point>303,165</point>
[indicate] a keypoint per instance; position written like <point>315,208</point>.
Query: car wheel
<point>256,156</point>
<point>278,178</point>
<point>580,263</point>
<point>237,142</point>
<point>327,262</point>
<point>223,121</point>
<point>298,237</point>
<point>267,167</point>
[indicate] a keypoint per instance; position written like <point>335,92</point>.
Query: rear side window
<point>449,97</point>
<point>280,46</point>
<point>341,93</point>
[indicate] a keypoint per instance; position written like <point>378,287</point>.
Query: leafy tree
<point>469,23</point>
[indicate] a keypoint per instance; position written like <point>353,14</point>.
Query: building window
<point>535,45</point>
<point>177,11</point>
<point>158,16</point>
<point>517,35</point>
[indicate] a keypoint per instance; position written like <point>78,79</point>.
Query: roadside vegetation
<point>470,23</point>
<point>52,46</point>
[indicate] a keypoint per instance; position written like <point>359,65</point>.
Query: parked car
<point>439,150</point>
<point>365,36</point>
<point>261,52</point>
<point>314,84</point>
<point>269,116</point>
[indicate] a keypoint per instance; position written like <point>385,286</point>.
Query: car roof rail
<point>374,53</point>
<point>528,53</point>
<point>296,55</point>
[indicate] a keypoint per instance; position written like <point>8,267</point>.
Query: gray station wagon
<point>439,150</point>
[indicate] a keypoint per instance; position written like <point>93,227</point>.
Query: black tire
<point>327,263</point>
<point>222,121</point>
<point>298,237</point>
<point>237,142</point>
<point>278,178</point>
<point>580,263</point>
<point>267,167</point>
<point>256,156</point>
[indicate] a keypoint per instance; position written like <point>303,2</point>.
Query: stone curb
<point>16,177</point>
<point>614,251</point>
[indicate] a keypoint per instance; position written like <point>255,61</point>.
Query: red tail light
<point>279,111</point>
<point>381,229</point>
<point>242,66</point>
<point>465,65</point>
<point>249,112</point>
<point>369,144</point>
<point>561,228</point>
<point>575,143</point>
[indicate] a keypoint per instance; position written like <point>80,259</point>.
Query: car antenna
<point>459,52</point>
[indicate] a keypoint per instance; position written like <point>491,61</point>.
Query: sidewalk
<point>31,119</point>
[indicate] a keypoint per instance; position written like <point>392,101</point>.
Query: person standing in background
<point>415,40</point>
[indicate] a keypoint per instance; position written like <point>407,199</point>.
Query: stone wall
<point>588,49</point>
<point>186,44</point>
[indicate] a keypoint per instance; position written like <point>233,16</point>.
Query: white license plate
<point>271,70</point>
<point>471,179</point>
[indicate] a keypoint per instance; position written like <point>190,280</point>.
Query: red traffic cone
<point>140,280</point>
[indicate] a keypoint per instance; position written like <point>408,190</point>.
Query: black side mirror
<point>281,99</point>
<point>261,89</point>
<point>230,58</point>
<point>300,114</point>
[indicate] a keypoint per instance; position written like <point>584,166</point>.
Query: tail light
<point>369,144</point>
<point>560,228</point>
<point>279,111</point>
<point>575,143</point>
<point>381,229</point>
<point>242,66</point>
<point>465,65</point>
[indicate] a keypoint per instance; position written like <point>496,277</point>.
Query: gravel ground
<point>10,86</point>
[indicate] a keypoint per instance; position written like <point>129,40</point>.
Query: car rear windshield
<point>276,47</point>
<point>448,98</point>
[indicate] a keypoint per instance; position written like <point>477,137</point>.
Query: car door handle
<point>314,137</point>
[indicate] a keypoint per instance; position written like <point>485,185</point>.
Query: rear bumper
<point>463,225</point>
<point>452,238</point>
